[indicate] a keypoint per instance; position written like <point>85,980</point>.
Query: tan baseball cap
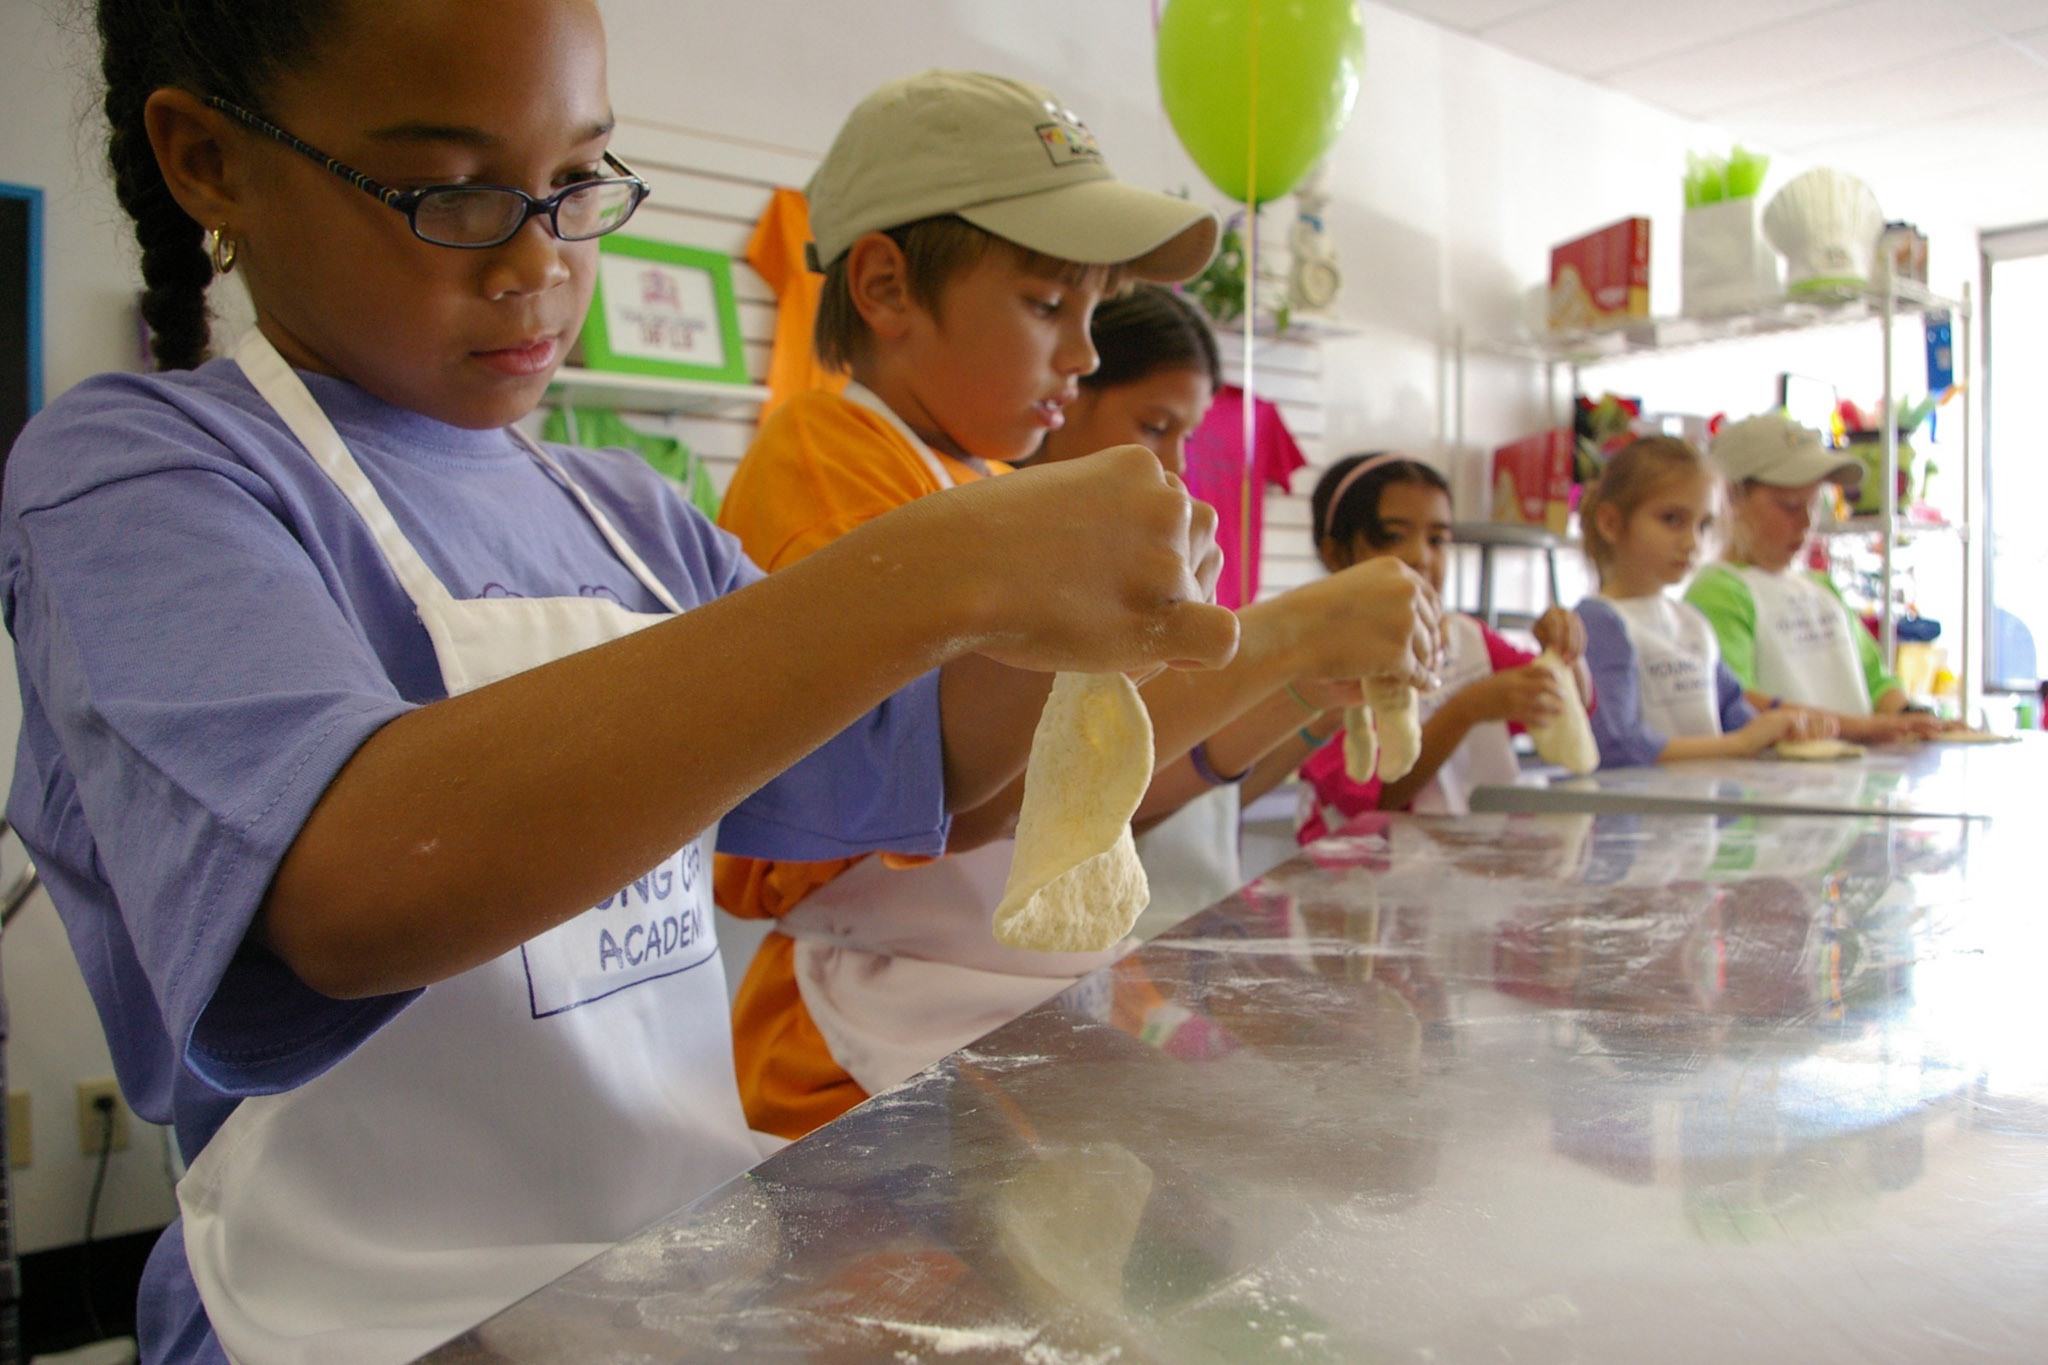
<point>1772,448</point>
<point>1009,157</point>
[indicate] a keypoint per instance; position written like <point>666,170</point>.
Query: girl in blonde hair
<point>1665,694</point>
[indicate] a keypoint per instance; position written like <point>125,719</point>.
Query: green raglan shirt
<point>1722,595</point>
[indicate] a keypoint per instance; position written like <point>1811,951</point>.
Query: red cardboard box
<point>1601,279</point>
<point>1532,481</point>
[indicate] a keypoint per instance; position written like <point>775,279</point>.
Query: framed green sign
<point>664,309</point>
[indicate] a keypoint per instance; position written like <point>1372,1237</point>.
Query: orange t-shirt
<point>822,465</point>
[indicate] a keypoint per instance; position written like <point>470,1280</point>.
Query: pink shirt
<point>1216,475</point>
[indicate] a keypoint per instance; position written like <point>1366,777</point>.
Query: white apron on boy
<point>515,1119</point>
<point>1804,652</point>
<point>1677,660</point>
<point>898,967</point>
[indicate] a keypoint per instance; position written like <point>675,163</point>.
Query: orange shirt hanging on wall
<point>777,252</point>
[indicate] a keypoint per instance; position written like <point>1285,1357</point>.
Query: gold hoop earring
<point>221,248</point>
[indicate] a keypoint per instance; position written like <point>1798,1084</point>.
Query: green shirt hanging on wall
<point>601,428</point>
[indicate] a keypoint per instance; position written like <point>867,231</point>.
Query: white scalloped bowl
<point>1827,223</point>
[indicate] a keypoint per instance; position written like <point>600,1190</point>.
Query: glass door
<point>2015,311</point>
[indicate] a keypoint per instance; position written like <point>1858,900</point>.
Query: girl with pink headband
<point>1386,504</point>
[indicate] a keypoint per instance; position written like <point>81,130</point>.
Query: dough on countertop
<point>1075,883</point>
<point>1817,750</point>
<point>1973,737</point>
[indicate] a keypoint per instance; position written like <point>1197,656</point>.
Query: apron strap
<point>866,397</point>
<point>282,388</point>
<point>620,547</point>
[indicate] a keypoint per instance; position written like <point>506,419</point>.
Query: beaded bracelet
<point>1204,769</point>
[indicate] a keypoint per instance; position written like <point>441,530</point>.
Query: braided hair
<point>229,48</point>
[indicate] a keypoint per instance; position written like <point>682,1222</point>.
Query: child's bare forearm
<point>1706,746</point>
<point>988,713</point>
<point>466,827</point>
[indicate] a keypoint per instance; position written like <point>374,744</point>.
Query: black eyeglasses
<point>477,216</point>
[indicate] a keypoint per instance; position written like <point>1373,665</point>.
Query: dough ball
<point>1361,744</point>
<point>1816,750</point>
<point>1398,725</point>
<point>1075,884</point>
<point>1568,740</point>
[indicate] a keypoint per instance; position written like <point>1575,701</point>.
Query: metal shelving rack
<point>1880,304</point>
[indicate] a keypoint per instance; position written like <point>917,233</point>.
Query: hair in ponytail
<point>229,48</point>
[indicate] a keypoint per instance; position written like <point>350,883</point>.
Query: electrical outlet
<point>21,1146</point>
<point>92,1124</point>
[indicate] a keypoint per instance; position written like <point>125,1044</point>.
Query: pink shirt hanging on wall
<point>1215,474</point>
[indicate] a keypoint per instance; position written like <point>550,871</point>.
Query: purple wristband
<point>1204,769</point>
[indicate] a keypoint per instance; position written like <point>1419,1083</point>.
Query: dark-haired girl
<point>1388,505</point>
<point>375,755</point>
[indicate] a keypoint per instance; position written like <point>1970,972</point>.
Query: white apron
<point>1804,651</point>
<point>1486,756</point>
<point>900,966</point>
<point>515,1119</point>
<point>1193,858</point>
<point>1677,658</point>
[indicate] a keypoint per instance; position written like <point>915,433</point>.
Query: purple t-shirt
<point>205,632</point>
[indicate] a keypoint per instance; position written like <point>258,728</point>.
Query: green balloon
<point>1306,55</point>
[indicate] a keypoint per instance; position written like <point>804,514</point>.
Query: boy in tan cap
<point>967,225</point>
<point>1784,632</point>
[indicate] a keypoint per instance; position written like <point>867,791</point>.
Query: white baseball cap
<point>1010,158</point>
<point>1772,448</point>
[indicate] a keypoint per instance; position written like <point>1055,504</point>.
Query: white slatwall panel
<point>1289,374</point>
<point>709,191</point>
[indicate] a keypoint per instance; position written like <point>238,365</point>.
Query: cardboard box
<point>1601,279</point>
<point>1532,481</point>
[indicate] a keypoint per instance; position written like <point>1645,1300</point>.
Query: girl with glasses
<point>375,755</point>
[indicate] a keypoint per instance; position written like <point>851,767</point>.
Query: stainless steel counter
<point>1931,780</point>
<point>1514,1087</point>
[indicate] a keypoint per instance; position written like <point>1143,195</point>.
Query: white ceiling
<point>1942,105</point>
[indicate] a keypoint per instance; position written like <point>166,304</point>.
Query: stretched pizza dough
<point>1075,883</point>
<point>1398,725</point>
<point>1568,740</point>
<point>1816,750</point>
<point>1361,744</point>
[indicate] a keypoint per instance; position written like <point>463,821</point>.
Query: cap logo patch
<point>1067,142</point>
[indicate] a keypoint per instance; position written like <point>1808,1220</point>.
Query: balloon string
<point>1251,278</point>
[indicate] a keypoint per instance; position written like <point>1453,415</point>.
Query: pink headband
<point>1364,466</point>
